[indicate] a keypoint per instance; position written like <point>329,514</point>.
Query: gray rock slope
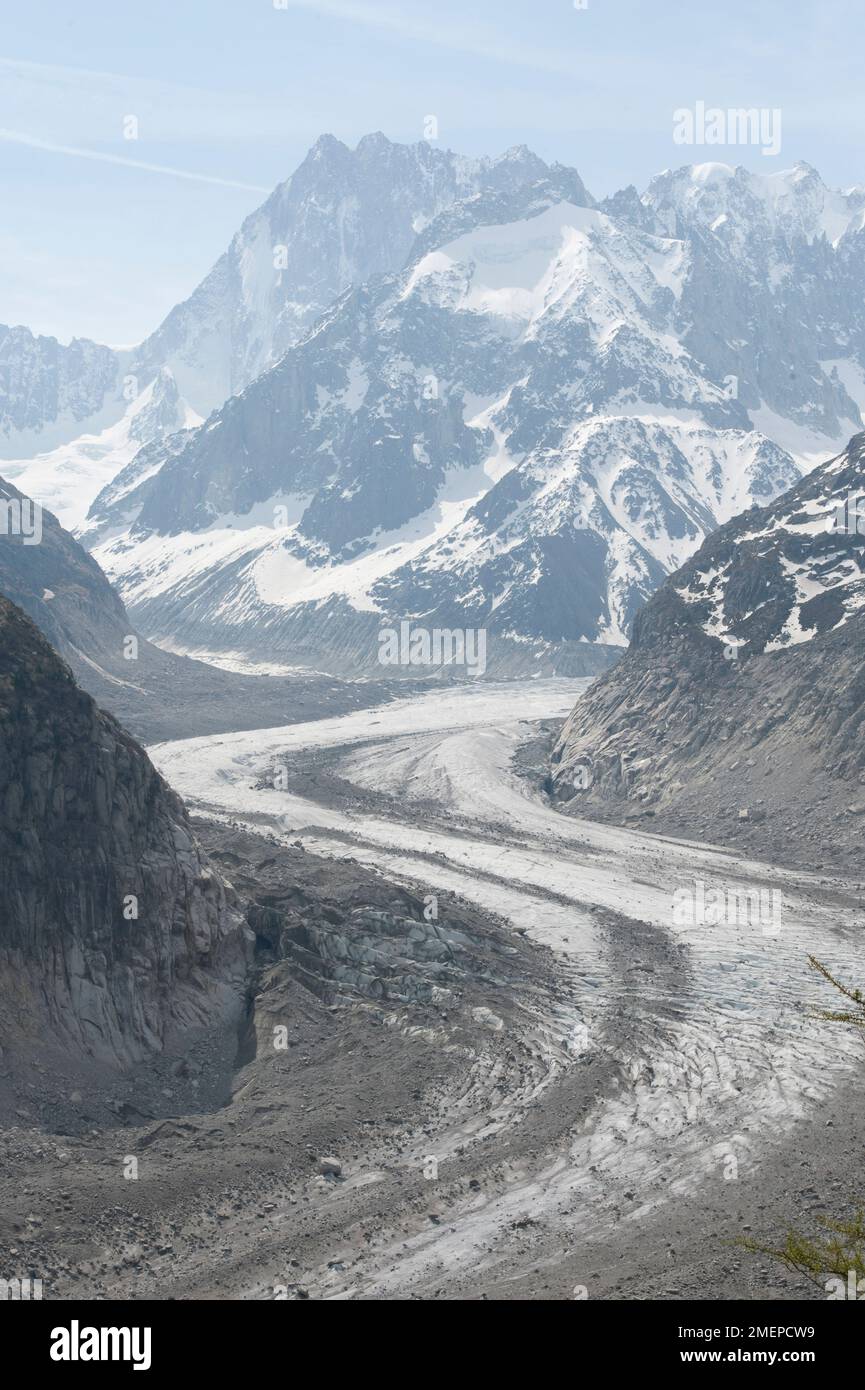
<point>114,928</point>
<point>738,712</point>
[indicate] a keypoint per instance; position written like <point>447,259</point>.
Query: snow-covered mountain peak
<point>792,203</point>
<point>345,215</point>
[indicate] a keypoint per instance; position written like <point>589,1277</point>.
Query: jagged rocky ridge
<point>738,711</point>
<point>87,826</point>
<point>43,381</point>
<point>343,217</point>
<point>773,296</point>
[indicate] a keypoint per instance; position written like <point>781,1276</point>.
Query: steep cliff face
<point>115,930</point>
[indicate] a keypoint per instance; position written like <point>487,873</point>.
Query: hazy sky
<point>231,93</point>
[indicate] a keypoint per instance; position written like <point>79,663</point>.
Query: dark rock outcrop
<point>115,929</point>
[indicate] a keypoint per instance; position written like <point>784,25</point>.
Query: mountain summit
<point>344,216</point>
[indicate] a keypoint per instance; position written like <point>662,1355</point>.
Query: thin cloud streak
<point>464,41</point>
<point>33,142</point>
